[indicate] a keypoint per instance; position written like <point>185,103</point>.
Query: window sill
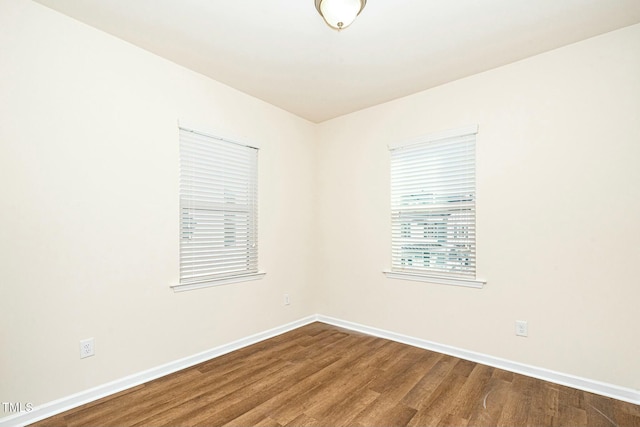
<point>219,282</point>
<point>468,283</point>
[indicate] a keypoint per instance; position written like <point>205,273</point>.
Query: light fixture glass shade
<point>339,14</point>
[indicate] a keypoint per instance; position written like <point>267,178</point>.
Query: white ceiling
<point>282,52</point>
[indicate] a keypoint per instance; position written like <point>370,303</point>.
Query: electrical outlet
<point>286,299</point>
<point>522,328</point>
<point>87,348</point>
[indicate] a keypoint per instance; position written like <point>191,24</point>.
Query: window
<point>433,207</point>
<point>218,211</point>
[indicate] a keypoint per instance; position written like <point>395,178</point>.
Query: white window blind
<point>433,208</point>
<point>218,209</point>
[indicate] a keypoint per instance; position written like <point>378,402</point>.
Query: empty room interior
<point>263,213</point>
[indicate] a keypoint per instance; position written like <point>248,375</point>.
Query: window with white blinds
<point>218,210</point>
<point>433,208</point>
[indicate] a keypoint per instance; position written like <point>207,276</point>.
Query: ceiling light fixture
<point>339,14</point>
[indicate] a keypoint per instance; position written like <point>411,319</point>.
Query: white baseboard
<point>52,408</point>
<point>585,384</point>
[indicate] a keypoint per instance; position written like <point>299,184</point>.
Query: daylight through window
<point>433,206</point>
<point>218,209</point>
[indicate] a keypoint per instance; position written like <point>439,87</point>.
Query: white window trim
<point>435,136</point>
<point>218,282</point>
<point>182,287</point>
<point>468,283</point>
<point>430,278</point>
<point>215,133</point>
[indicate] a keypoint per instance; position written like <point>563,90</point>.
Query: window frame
<point>424,274</point>
<point>228,150</point>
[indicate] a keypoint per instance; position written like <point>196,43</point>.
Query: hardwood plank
<point>437,404</point>
<point>316,388</point>
<point>147,398</point>
<point>598,410</point>
<point>343,412</point>
<point>515,410</point>
<point>544,404</point>
<point>472,392</point>
<point>393,385</point>
<point>627,419</point>
<point>450,420</point>
<point>243,400</point>
<point>405,372</point>
<point>267,422</point>
<point>570,416</point>
<point>488,411</point>
<point>625,414</point>
<point>287,405</point>
<point>503,375</point>
<point>320,375</point>
<point>430,381</point>
<point>192,405</point>
<point>397,415</point>
<point>321,399</point>
<point>332,394</point>
<point>303,420</point>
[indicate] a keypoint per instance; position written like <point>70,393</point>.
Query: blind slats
<point>433,207</point>
<point>218,204</point>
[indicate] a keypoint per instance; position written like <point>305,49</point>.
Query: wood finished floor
<point>320,375</point>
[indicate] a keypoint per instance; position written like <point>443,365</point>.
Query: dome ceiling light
<point>339,14</point>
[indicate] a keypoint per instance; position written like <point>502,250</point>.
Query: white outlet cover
<point>87,348</point>
<point>522,328</point>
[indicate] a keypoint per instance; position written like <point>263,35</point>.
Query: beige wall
<point>89,208</point>
<point>558,187</point>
